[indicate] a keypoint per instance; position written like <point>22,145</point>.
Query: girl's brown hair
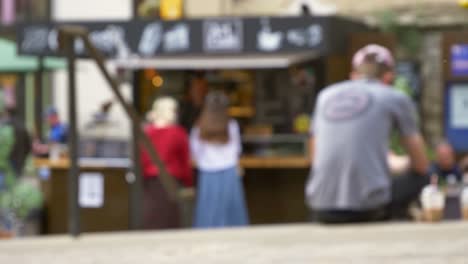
<point>214,118</point>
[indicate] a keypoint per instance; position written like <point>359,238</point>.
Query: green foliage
<point>409,38</point>
<point>387,21</point>
<point>402,84</point>
<point>15,197</point>
<point>21,199</point>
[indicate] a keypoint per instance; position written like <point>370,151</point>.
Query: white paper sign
<point>459,108</point>
<point>91,190</point>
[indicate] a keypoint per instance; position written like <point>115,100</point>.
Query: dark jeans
<point>405,190</point>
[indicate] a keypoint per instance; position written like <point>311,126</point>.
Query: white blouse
<point>213,156</point>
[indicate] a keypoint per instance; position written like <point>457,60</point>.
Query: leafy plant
<point>20,199</point>
<point>16,198</point>
<point>409,37</point>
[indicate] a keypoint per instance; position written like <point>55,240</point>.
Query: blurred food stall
<point>272,69</point>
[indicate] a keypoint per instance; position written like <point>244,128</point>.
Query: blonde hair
<point>164,111</point>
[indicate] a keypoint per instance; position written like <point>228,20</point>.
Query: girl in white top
<point>216,147</point>
<point>212,156</point>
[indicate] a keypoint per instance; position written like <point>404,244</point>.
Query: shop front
<point>25,82</point>
<point>272,69</point>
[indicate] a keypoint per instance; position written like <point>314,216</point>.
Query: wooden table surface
<point>247,162</point>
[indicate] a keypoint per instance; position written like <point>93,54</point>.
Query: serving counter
<point>104,204</point>
<point>273,185</point>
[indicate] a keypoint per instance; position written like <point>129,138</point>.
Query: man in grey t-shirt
<point>350,179</point>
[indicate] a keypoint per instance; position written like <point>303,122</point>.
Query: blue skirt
<point>220,199</point>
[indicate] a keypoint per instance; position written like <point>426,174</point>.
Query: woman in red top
<point>171,143</point>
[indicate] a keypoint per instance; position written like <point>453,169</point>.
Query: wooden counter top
<point>252,162</point>
<point>94,163</point>
<point>247,162</point>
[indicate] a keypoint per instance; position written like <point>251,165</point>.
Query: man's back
<point>351,126</point>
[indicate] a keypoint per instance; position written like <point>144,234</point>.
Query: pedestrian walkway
<point>383,243</point>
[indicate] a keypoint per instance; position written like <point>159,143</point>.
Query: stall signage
<point>459,107</point>
<point>456,115</point>
<point>91,190</point>
<point>196,37</point>
<point>459,60</point>
<point>222,35</point>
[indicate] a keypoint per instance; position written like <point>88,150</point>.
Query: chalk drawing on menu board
<point>177,38</point>
<point>91,190</point>
<point>150,39</point>
<point>111,40</point>
<point>267,40</point>
<point>311,36</point>
<point>35,39</point>
<point>459,106</point>
<point>224,35</point>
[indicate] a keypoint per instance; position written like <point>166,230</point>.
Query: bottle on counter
<point>433,201</point>
<point>452,198</point>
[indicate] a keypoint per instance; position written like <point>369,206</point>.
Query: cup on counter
<point>433,202</point>
<point>54,152</point>
<point>464,198</point>
<point>57,152</point>
<point>464,203</point>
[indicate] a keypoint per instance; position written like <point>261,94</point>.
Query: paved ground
<point>391,243</point>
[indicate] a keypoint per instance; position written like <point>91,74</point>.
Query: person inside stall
<point>445,165</point>
<point>58,134</point>
<point>192,104</point>
<point>350,178</point>
<point>172,145</point>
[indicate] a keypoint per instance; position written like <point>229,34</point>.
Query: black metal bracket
<point>67,37</point>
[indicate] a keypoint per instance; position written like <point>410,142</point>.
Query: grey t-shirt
<point>352,123</point>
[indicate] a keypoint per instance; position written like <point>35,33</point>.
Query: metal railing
<point>67,37</point>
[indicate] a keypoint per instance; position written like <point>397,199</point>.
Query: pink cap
<point>382,55</point>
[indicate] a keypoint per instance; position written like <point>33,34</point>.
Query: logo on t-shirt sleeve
<point>347,105</point>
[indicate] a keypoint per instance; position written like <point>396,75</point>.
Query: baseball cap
<point>382,55</point>
<point>50,111</point>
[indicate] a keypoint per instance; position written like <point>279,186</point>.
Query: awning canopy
<point>217,62</point>
<point>10,61</point>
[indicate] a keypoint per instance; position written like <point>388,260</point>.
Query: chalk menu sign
<point>456,115</point>
<point>459,60</point>
<point>198,36</point>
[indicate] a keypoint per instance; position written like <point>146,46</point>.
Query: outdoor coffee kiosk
<point>272,69</point>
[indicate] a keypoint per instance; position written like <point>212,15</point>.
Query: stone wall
<point>432,86</point>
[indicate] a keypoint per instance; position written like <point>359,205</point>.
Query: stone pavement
<point>382,243</point>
